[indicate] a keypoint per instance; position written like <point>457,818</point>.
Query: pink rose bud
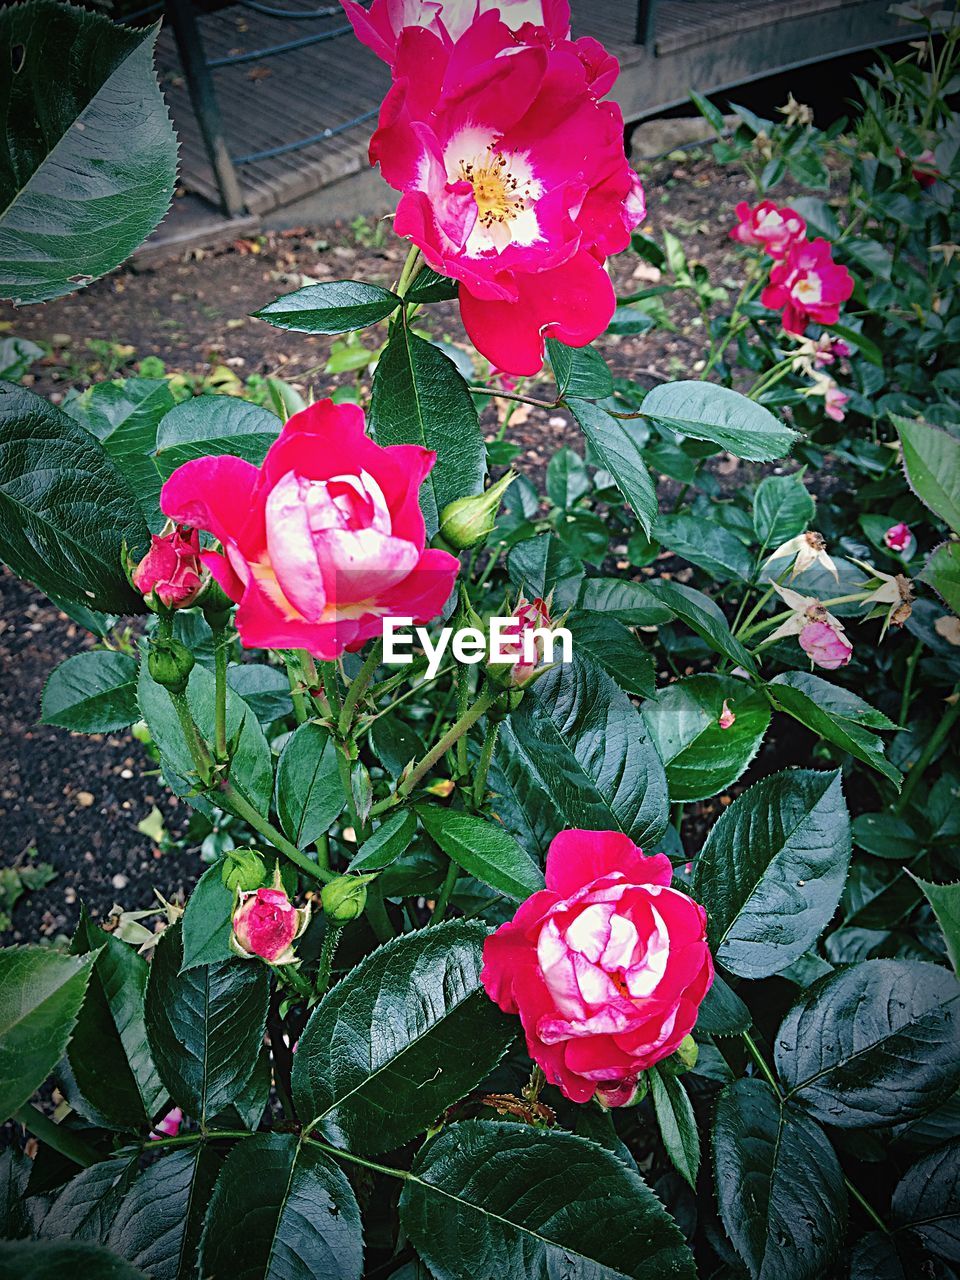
<point>169,1126</point>
<point>825,646</point>
<point>171,571</point>
<point>606,966</point>
<point>767,227</point>
<point>265,924</point>
<point>322,540</point>
<point>833,402</point>
<point>727,718</point>
<point>522,641</point>
<point>898,537</point>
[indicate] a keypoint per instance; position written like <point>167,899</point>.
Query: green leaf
<point>92,692</point>
<point>779,1184</point>
<point>876,1257</point>
<point>386,844</point>
<point>336,306</point>
<point>782,509</point>
<point>722,1012</point>
<point>713,115</point>
<point>579,371</point>
<point>632,603</point>
<point>836,714</point>
<point>394,743</point>
<point>124,417</point>
<point>157,1226</point>
<point>54,1259</point>
<point>705,618</point>
<point>678,1124</point>
<point>484,850</point>
<point>885,836</point>
<point>16,357</point>
<point>931,461</point>
<point>429,286</point>
<point>109,1058</point>
<point>615,649</point>
<point>619,452</point>
<point>942,572</point>
<point>88,1203</point>
<point>204,1026</point>
<point>420,398</point>
<point>251,769</point>
<point>264,689</point>
<point>212,425</point>
<point>926,1200</point>
<point>490,1199</point>
<point>404,1035</point>
<point>540,565</point>
<point>567,479</point>
<point>309,794</point>
<point>706,544</point>
<point>945,900</point>
<point>15,1168</point>
<point>281,1210</point>
<point>208,921</point>
<point>65,510</point>
<point>726,418</point>
<point>585,745</point>
<point>873,1044</point>
<point>772,870</point>
<point>700,758</point>
<point>41,992</point>
<point>88,159</point>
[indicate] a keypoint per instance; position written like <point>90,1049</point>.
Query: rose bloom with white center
<point>323,540</point>
<point>513,180</point>
<point>606,966</point>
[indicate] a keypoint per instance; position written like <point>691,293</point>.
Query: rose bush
<point>706,864</point>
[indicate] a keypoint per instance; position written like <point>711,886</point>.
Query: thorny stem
<point>296,694</point>
<point>221,658</point>
<point>242,807</point>
<point>358,685</point>
<point>453,735</point>
<point>327,952</point>
<point>483,765</point>
<point>195,743</point>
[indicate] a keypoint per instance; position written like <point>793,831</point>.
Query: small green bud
<point>688,1051</point>
<point>170,664</point>
<point>345,898</point>
<point>467,521</point>
<point>215,604</point>
<point>243,869</point>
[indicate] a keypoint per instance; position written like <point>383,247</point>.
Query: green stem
<point>908,682</point>
<point>446,891</point>
<point>453,735</point>
<point>411,269</point>
<point>287,975</point>
<point>768,379</point>
<point>358,685</point>
<point>221,658</point>
<point>483,765</point>
<point>750,287</point>
<point>187,1139</point>
<point>463,701</point>
<point>195,744</point>
<point>934,743</point>
<point>515,395</point>
<point>340,1154</point>
<point>296,692</point>
<point>242,807</point>
<point>346,782</point>
<point>745,632</point>
<point>327,952</point>
<point>752,614</point>
<point>56,1136</point>
<point>328,673</point>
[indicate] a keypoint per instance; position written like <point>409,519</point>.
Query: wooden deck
<point>336,85</point>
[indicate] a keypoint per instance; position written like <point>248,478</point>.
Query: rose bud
<point>266,924</point>
<point>825,644</point>
<point>524,640</point>
<point>170,663</point>
<point>345,898</point>
<point>727,717</point>
<point>606,966</point>
<point>243,869</point>
<point>898,537</point>
<point>170,575</point>
<point>467,521</point>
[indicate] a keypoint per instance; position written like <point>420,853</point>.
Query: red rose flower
<point>606,966</point>
<point>323,540</point>
<point>808,285</point>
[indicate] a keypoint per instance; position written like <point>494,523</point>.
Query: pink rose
<point>825,646</point>
<point>808,285</point>
<point>265,924</point>
<point>171,569</point>
<point>727,717</point>
<point>898,537</point>
<point>169,1126</point>
<point>606,966</point>
<point>833,401</point>
<point>767,227</point>
<point>829,349</point>
<point>513,181</point>
<point>323,540</point>
<point>379,26</point>
<point>520,638</point>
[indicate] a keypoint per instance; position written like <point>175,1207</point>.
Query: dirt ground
<point>75,801</point>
